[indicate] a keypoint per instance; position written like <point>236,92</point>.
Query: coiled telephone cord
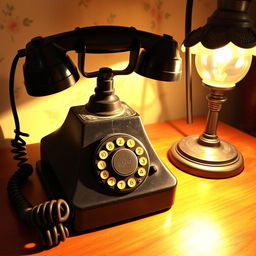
<point>47,217</point>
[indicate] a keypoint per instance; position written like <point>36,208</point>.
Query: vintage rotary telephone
<point>99,166</point>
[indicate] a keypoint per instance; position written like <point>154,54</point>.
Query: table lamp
<point>223,51</point>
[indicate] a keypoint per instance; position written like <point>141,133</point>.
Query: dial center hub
<point>124,162</point>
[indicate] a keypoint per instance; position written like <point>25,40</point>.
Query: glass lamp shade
<point>222,67</point>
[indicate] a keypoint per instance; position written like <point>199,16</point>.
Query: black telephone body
<point>106,168</point>
<point>100,160</point>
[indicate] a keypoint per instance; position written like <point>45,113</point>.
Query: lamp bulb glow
<point>222,67</point>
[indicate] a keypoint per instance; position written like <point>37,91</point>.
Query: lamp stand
<point>206,155</point>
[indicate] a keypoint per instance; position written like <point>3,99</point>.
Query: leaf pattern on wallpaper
<point>10,22</point>
<point>17,91</point>
<point>110,18</point>
<point>156,11</point>
<point>53,116</point>
<point>206,3</point>
<point>84,3</point>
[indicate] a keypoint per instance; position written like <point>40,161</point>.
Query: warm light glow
<point>46,114</point>
<point>200,237</point>
<point>168,222</point>
<point>30,245</point>
<point>222,67</point>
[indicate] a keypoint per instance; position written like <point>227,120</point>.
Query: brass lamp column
<point>223,51</point>
<point>215,100</point>
<point>207,155</point>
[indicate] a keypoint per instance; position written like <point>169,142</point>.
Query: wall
<point>155,101</point>
<point>240,108</point>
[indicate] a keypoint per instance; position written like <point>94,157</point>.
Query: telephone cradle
<point>105,168</point>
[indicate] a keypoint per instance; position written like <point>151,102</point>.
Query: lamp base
<point>222,161</point>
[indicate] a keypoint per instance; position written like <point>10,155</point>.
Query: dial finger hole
<point>110,146</point>
<point>120,141</point>
<point>103,154</point>
<point>101,165</point>
<point>111,181</point>
<point>104,174</point>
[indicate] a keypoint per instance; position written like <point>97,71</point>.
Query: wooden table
<point>209,217</point>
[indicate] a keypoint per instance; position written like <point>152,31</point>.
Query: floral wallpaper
<point>11,23</point>
<point>156,12</point>
<point>20,21</point>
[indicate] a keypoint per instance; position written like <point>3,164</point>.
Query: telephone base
<point>71,167</point>
<point>142,204</point>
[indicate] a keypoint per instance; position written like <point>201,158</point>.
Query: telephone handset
<point>100,161</point>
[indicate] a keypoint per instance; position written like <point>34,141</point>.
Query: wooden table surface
<point>209,217</point>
